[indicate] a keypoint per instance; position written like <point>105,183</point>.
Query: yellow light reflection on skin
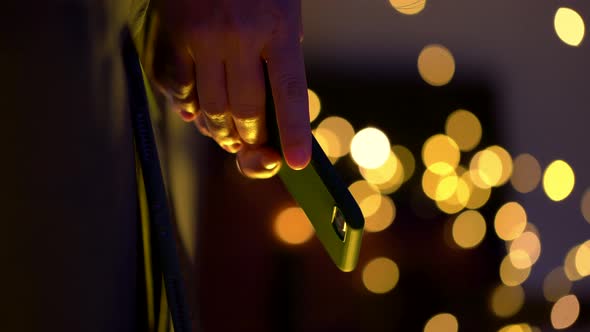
<point>569,26</point>
<point>314,105</point>
<point>526,174</point>
<point>527,243</point>
<point>585,205</point>
<point>380,275</point>
<point>343,131</point>
<point>383,216</point>
<point>443,322</point>
<point>582,259</point>
<point>370,148</point>
<point>464,128</point>
<point>558,180</point>
<point>565,312</point>
<point>569,265</point>
<point>408,7</point>
<point>406,158</point>
<point>510,221</point>
<point>506,301</point>
<point>556,284</point>
<point>436,65</point>
<point>469,229</point>
<point>507,165</point>
<point>441,154</point>
<point>384,173</point>
<point>512,275</point>
<point>292,226</point>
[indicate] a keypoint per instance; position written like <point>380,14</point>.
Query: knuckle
<point>213,108</point>
<point>247,111</point>
<point>293,89</point>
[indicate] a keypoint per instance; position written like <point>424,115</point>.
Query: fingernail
<point>186,115</point>
<point>298,157</point>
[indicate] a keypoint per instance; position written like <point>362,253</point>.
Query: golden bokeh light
<point>526,174</point>
<point>391,185</point>
<point>370,205</point>
<point>507,164</point>
<point>486,169</point>
<point>430,181</point>
<point>329,142</point>
<point>556,285</point>
<point>314,105</point>
<point>366,196</point>
<point>343,131</point>
<point>512,275</point>
<point>510,221</point>
<point>447,186</point>
<point>565,312</point>
<point>292,226</point>
<point>370,148</point>
<point>408,7</point>
<point>506,301</point>
<point>469,229</point>
<point>558,180</point>
<point>443,322</point>
<point>406,158</point>
<point>441,154</point>
<point>569,264</point>
<point>569,26</point>
<point>383,216</point>
<point>464,128</point>
<point>383,173</point>
<point>475,197</point>
<point>436,65</point>
<point>585,205</point>
<point>527,243</point>
<point>380,275</point>
<point>582,259</point>
<point>517,328</point>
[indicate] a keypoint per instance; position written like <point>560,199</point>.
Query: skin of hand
<point>206,57</point>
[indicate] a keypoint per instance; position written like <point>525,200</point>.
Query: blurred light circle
<point>526,174</point>
<point>510,221</point>
<point>314,105</point>
<point>393,183</point>
<point>380,275</point>
<point>406,158</point>
<point>506,301</point>
<point>558,180</point>
<point>370,204</point>
<point>446,187</point>
<point>383,216</point>
<point>477,196</point>
<point>527,243</point>
<point>569,264</point>
<point>569,26</point>
<point>441,154</point>
<point>486,169</point>
<point>464,128</point>
<point>408,7</point>
<point>292,226</point>
<point>443,322</point>
<point>556,284</point>
<point>436,65</point>
<point>582,259</point>
<point>469,229</point>
<point>383,173</point>
<point>585,205</point>
<point>507,164</point>
<point>329,142</point>
<point>516,328</point>
<point>361,190</point>
<point>430,181</point>
<point>343,131</point>
<point>370,148</point>
<point>512,275</point>
<point>565,312</point>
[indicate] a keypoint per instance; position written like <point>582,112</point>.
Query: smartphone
<point>323,196</point>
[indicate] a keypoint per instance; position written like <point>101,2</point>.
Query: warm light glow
<point>370,205</point>
<point>436,65</point>
<point>582,259</point>
<point>343,131</point>
<point>464,128</point>
<point>507,301</point>
<point>512,275</point>
<point>516,328</point>
<point>380,275</point>
<point>475,197</point>
<point>408,7</point>
<point>569,265</point>
<point>558,180</point>
<point>406,158</point>
<point>527,244</point>
<point>565,312</point>
<point>384,173</point>
<point>383,216</point>
<point>444,322</point>
<point>526,174</point>
<point>314,105</point>
<point>292,226</point>
<point>507,164</point>
<point>569,26</point>
<point>366,195</point>
<point>370,148</point>
<point>469,229</point>
<point>487,168</point>
<point>440,154</point>
<point>510,221</point>
<point>329,142</point>
<point>430,183</point>
<point>556,285</point>
<point>446,187</point>
<point>585,205</point>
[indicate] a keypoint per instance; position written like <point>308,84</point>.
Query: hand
<point>207,58</point>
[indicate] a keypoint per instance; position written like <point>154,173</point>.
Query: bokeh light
<point>436,65</point>
<point>512,275</point>
<point>380,275</point>
<point>527,244</point>
<point>585,205</point>
<point>314,105</point>
<point>475,197</point>
<point>510,221</point>
<point>464,128</point>
<point>556,285</point>
<point>558,180</point>
<point>408,7</point>
<point>443,322</point>
<point>469,229</point>
<point>406,158</point>
<point>329,142</point>
<point>384,173</point>
<point>366,195</point>
<point>441,154</point>
<point>370,148</point>
<point>383,216</point>
<point>343,131</point>
<point>569,264</point>
<point>506,301</point>
<point>487,168</point>
<point>569,26</point>
<point>507,164</point>
<point>526,174</point>
<point>565,312</point>
<point>582,259</point>
<point>292,226</point>
<point>517,328</point>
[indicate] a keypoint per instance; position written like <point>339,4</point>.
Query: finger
<point>258,162</point>
<point>245,84</point>
<point>201,124</point>
<point>289,88</point>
